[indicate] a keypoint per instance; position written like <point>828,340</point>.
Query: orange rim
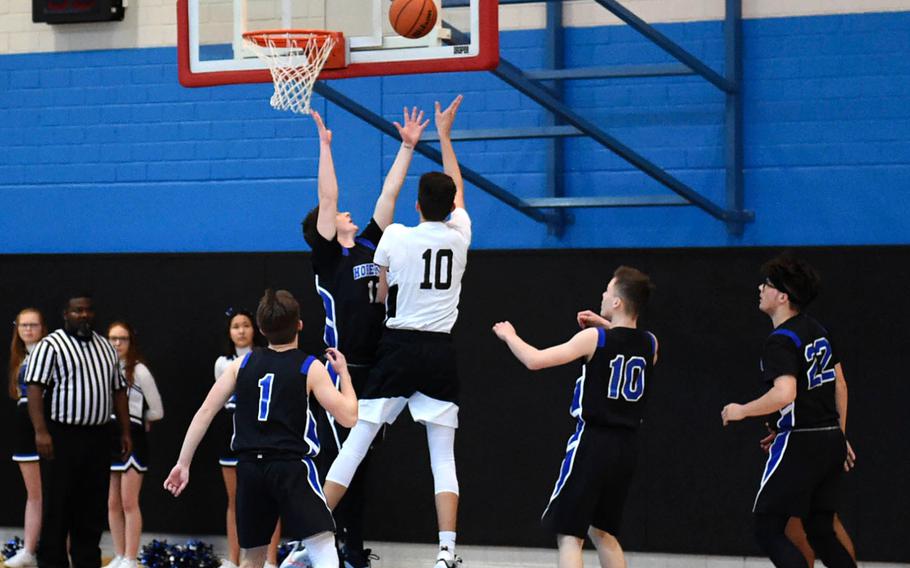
<point>288,38</point>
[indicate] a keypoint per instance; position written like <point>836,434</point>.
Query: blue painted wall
<point>105,152</point>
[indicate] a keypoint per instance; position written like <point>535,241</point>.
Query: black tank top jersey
<point>802,348</point>
<point>272,413</point>
<point>347,281</point>
<point>613,387</point>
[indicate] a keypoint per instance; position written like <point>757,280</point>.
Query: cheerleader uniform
<point>227,457</point>
<point>144,405</point>
<point>24,449</point>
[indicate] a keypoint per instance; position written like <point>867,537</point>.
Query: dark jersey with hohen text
<point>613,387</point>
<point>272,413</point>
<point>802,348</point>
<point>347,281</point>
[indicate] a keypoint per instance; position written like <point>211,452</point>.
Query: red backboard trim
<point>486,59</point>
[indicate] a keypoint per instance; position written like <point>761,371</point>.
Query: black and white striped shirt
<point>79,376</point>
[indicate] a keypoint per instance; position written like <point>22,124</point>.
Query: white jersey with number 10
<point>425,265</point>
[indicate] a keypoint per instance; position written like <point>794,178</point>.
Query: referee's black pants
<point>74,490</point>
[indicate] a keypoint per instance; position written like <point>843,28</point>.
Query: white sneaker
<point>447,559</point>
<point>114,563</point>
<point>225,563</point>
<point>269,565</point>
<point>298,557</point>
<point>22,559</point>
<point>128,563</point>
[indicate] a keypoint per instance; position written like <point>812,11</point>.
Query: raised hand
<point>325,135</point>
<point>337,359</point>
<point>445,118</point>
<point>413,128</point>
<point>178,479</point>
<point>587,318</point>
<point>504,330</point>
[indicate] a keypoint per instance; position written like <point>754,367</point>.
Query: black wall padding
<point>696,480</point>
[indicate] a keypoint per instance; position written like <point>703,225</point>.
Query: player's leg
<point>570,551</point>
<point>321,550</point>
<point>131,485</point>
<point>797,535</point>
<point>229,474</point>
<point>253,557</point>
<point>272,556</point>
<point>820,530</point>
<point>608,548</point>
<point>115,519</point>
<point>345,465</point>
<point>441,441</point>
<point>770,532</point>
<point>843,537</point>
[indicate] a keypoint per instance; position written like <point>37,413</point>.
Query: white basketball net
<point>295,61</point>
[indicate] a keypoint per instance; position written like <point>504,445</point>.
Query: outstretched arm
<point>327,183</point>
<point>444,120</point>
<point>581,345</point>
<point>179,477</point>
<point>410,133</point>
<point>342,404</point>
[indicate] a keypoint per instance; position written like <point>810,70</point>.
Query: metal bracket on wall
<point>566,122</point>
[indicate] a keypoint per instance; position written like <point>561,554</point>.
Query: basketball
<point>412,18</point>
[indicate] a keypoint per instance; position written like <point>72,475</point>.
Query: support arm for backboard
<point>432,153</point>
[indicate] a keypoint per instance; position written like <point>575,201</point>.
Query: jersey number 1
<point>442,280</point>
<point>265,396</point>
<point>628,377</point>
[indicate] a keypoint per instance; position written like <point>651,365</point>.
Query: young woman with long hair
<point>28,330</point>
<point>145,407</point>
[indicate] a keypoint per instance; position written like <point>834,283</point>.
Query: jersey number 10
<point>627,377</point>
<point>441,280</point>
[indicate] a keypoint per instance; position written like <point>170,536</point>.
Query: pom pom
<point>11,547</point>
<point>193,554</point>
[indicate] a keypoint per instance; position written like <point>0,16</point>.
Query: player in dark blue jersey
<point>809,453</point>
<point>275,436</point>
<point>617,360</point>
<point>347,280</point>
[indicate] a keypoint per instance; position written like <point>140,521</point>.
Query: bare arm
<point>327,183</point>
<point>410,133</point>
<point>219,394</point>
<point>340,404</point>
<point>581,345</point>
<point>444,121</point>
<point>840,401</point>
<point>778,396</point>
<point>122,412</point>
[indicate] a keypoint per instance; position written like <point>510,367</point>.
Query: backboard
<point>210,48</point>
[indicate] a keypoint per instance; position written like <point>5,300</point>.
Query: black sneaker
<point>352,558</point>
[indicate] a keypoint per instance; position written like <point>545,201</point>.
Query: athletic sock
<point>447,540</point>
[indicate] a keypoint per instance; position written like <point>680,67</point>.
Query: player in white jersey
<point>421,268</point>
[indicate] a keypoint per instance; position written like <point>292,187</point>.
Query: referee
<point>79,372</point>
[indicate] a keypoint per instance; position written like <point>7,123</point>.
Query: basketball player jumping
<point>422,268</point>
<point>275,441</point>
<point>608,403</point>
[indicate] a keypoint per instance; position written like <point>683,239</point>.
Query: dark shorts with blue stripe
<point>803,473</point>
<point>593,481</point>
<point>279,486</point>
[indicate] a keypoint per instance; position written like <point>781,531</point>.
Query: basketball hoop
<point>295,59</point>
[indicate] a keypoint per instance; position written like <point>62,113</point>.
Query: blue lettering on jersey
<point>368,270</point>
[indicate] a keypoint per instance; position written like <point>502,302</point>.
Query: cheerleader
<point>124,515</point>
<point>29,329</point>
